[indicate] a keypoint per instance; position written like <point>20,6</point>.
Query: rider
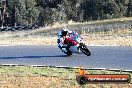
<point>65,39</point>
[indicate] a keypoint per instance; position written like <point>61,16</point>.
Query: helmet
<point>64,29</point>
<point>64,33</point>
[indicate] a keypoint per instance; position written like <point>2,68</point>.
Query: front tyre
<point>84,49</point>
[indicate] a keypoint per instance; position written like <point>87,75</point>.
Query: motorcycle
<point>79,48</point>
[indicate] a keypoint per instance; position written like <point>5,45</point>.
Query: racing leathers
<point>64,42</point>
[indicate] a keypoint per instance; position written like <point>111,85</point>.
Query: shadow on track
<point>32,57</point>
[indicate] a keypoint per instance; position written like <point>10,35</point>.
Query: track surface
<point>110,57</point>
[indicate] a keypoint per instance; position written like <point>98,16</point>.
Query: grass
<point>87,27</point>
<point>103,21</point>
<point>104,32</point>
<point>120,37</point>
<point>34,71</point>
<point>44,77</point>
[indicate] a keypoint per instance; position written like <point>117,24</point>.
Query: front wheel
<point>84,49</point>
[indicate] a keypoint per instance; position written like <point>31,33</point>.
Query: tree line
<point>47,12</point>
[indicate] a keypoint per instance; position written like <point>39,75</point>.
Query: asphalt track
<point>109,57</point>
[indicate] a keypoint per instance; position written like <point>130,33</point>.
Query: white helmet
<point>64,29</point>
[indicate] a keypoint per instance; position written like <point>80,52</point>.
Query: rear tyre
<point>84,49</point>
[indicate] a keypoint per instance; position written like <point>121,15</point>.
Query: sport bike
<point>79,48</point>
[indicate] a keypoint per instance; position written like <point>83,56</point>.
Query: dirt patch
<point>30,81</point>
<point>49,77</point>
<point>89,40</point>
<point>111,40</point>
<point>29,41</point>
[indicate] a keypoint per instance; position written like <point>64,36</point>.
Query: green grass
<point>51,71</point>
<point>66,76</point>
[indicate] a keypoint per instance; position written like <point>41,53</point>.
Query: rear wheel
<point>84,49</point>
